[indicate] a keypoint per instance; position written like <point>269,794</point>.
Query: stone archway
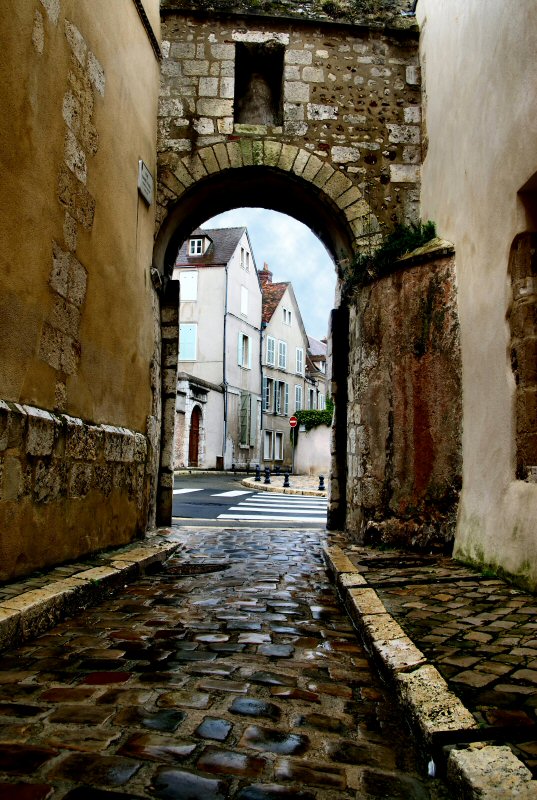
<point>282,178</point>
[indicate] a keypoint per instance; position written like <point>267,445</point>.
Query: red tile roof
<point>272,294</point>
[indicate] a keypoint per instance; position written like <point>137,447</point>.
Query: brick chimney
<point>265,275</point>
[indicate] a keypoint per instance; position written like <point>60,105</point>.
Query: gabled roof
<point>272,294</point>
<point>316,348</point>
<point>223,244</point>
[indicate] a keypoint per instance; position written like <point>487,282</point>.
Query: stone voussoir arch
<point>336,209</point>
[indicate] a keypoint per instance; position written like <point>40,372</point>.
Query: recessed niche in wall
<point>258,83</point>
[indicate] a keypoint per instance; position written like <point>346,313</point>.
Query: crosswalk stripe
<point>186,491</point>
<point>234,493</point>
<point>267,518</point>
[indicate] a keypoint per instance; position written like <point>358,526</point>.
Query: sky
<point>292,253</point>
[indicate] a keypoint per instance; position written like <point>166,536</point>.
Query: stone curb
<point>33,612</point>
<point>479,771</point>
<point>250,483</point>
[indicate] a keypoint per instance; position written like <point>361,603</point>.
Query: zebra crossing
<point>278,507</point>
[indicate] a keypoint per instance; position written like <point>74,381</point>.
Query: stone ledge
<point>477,772</point>
<point>473,773</point>
<point>31,613</point>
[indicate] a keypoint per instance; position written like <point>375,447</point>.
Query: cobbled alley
<point>233,672</point>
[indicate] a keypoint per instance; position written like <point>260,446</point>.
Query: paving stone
<point>89,793</point>
<point>273,679</point>
<point>25,791</point>
<point>214,728</point>
<point>165,721</point>
<point>276,650</point>
<point>173,784</point>
<point>22,759</point>
<point>254,707</point>
<point>81,738</point>
<point>186,699</point>
<point>270,740</point>
<point>230,762</point>
<point>95,770</point>
<point>155,747</point>
<point>273,791</point>
<point>312,774</point>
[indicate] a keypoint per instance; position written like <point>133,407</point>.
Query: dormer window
<point>195,247</point>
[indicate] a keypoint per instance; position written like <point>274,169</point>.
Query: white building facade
<point>219,388</point>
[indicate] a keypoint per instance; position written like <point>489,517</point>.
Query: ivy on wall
<point>312,418</point>
<point>368,267</point>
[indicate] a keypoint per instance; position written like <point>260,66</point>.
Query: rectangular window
<point>195,247</point>
<point>298,398</point>
<point>247,264</point>
<point>244,301</point>
<point>242,257</point>
<point>299,361</point>
<point>311,399</point>
<point>245,419</point>
<point>271,350</point>
<point>278,447</point>
<point>188,334</point>
<point>189,285</point>
<point>244,351</point>
<point>267,394</point>
<point>282,355</point>
<point>267,446</point>
<point>321,401</point>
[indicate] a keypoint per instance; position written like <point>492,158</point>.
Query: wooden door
<point>194,438</point>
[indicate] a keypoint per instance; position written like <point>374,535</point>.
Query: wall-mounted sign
<point>145,182</point>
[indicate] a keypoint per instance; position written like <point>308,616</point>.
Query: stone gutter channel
<point>449,734</point>
<point>33,605</point>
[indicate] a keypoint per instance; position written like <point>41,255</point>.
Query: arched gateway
<point>317,120</point>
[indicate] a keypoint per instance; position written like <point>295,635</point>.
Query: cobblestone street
<point>232,672</point>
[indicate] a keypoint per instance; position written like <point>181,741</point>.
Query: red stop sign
<point>293,422</point>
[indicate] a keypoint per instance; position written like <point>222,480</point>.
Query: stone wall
<point>87,485</point>
<point>350,99</point>
<point>404,425</point>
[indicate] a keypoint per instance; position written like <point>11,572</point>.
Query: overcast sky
<point>293,254</point>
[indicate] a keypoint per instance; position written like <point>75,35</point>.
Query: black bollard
<point>278,469</point>
<point>286,480</point>
<point>257,473</point>
<point>267,476</point>
<point>321,483</point>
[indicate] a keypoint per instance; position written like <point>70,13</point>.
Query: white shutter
<point>286,399</point>
<point>249,340</point>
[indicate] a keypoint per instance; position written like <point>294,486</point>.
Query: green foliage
<point>367,267</point>
<point>378,10</point>
<point>313,418</point>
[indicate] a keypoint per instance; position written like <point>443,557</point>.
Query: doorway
<point>194,438</point>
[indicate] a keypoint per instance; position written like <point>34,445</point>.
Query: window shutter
<point>253,420</point>
<point>239,351</point>
<point>249,352</point>
<point>286,399</point>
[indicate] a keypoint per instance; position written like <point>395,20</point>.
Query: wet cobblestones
<point>245,682</point>
<point>480,633</point>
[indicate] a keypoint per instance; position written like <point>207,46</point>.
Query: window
<point>189,285</point>
<point>281,397</point>
<point>268,389</point>
<point>195,247</point>
<point>282,355</point>
<point>321,401</point>
<point>244,351</point>
<point>271,350</point>
<point>267,446</point>
<point>247,263</point>
<point>298,398</point>
<point>278,447</point>
<point>300,361</point>
<point>311,398</point>
<point>244,301</point>
<point>188,334</point>
<point>286,316</point>
<point>322,366</point>
<point>242,257</point>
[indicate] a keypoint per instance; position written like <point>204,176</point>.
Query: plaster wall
<point>480,73</point>
<point>81,86</point>
<point>312,452</point>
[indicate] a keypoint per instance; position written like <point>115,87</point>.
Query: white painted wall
<point>312,453</point>
<point>480,73</point>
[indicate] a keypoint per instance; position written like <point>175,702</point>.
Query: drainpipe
<point>224,374</point>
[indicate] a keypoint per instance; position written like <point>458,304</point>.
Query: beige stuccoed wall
<point>79,86</point>
<point>480,73</point>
